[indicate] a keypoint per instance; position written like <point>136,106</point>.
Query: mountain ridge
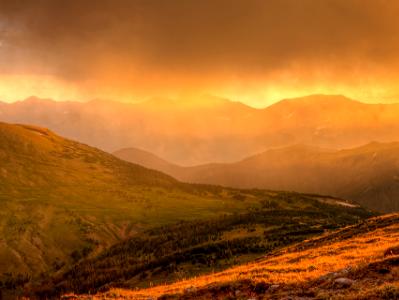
<point>308,99</point>
<point>227,132</point>
<point>362,174</point>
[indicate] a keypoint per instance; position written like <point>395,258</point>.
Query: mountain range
<point>368,174</point>
<point>73,215</point>
<point>62,202</point>
<point>208,129</point>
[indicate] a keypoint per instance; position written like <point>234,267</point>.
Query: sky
<point>254,51</point>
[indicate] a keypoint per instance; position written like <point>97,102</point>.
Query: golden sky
<point>254,51</point>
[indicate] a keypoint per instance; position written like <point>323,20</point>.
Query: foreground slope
<point>368,174</point>
<point>357,262</point>
<point>187,249</point>
<point>198,130</point>
<point>61,200</point>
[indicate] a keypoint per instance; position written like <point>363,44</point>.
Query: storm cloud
<point>134,44</point>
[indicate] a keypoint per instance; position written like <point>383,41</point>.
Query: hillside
<point>61,200</point>
<point>357,262</point>
<point>149,160</point>
<point>368,174</point>
<point>187,249</point>
<point>199,130</point>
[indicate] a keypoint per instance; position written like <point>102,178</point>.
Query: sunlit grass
<point>291,266</point>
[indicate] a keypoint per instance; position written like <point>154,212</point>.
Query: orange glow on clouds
<point>256,52</point>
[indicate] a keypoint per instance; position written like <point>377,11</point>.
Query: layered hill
<point>368,174</point>
<point>357,262</point>
<point>199,130</point>
<point>61,200</point>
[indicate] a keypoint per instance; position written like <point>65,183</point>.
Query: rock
<point>343,282</point>
<point>274,287</point>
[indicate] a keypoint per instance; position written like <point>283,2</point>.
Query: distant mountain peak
<point>37,100</point>
<point>318,99</point>
<point>202,101</point>
<point>302,147</point>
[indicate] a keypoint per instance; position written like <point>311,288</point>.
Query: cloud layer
<point>170,46</point>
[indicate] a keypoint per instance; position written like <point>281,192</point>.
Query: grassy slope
<point>367,254</point>
<point>60,199</point>
<point>187,249</point>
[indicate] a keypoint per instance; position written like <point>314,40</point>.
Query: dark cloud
<point>76,40</point>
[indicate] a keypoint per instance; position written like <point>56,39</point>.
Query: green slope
<point>61,200</point>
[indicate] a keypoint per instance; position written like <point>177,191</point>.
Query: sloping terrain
<point>368,174</point>
<point>151,161</point>
<point>357,262</point>
<point>188,249</point>
<point>209,129</point>
<point>61,200</point>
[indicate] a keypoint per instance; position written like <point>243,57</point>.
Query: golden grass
<point>288,266</point>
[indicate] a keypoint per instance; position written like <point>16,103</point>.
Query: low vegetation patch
<point>320,268</point>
